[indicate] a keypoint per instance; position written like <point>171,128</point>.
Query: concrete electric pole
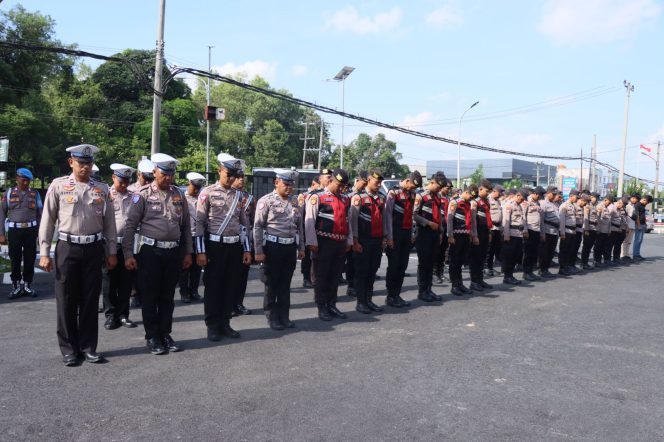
<point>158,67</point>
<point>629,88</point>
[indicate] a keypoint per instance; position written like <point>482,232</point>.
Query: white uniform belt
<point>79,239</point>
<point>119,239</point>
<point>22,225</point>
<point>278,239</point>
<point>158,244</point>
<point>224,239</point>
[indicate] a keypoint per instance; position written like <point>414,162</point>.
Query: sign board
<point>568,185</point>
<point>4,149</point>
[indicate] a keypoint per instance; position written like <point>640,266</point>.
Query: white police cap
<point>122,170</point>
<point>196,178</point>
<point>230,162</point>
<point>95,168</point>
<point>286,174</point>
<point>146,166</point>
<point>83,151</point>
<point>165,163</point>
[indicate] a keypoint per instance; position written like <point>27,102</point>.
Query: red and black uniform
<point>440,262</point>
<point>398,218</point>
<point>460,226</point>
<point>427,210</point>
<point>478,253</point>
<point>367,224</point>
<point>305,264</point>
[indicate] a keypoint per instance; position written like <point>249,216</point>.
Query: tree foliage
<point>365,153</point>
<point>477,176</point>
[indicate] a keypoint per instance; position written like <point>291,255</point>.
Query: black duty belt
<point>593,223</point>
<point>551,223</point>
<point>512,226</point>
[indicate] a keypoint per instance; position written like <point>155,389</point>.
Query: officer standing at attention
<point>460,229</point>
<point>439,269</point>
<point>514,232</point>
<point>328,237</point>
<point>358,187</point>
<point>222,244</point>
<point>21,210</point>
<point>190,278</point>
<point>160,213</point>
<point>479,248</point>
<point>496,231</point>
<point>428,217</point>
<point>567,231</point>
<point>305,266</point>
<point>116,288</point>
<point>549,227</point>
<point>589,230</point>
<point>249,209</point>
<point>533,221</point>
<point>366,219</point>
<point>398,216</point>
<point>602,245</point>
<point>278,243</point>
<point>580,216</point>
<point>82,207</point>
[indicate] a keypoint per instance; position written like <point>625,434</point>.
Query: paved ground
<point>573,359</point>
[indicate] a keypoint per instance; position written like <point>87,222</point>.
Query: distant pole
<point>158,66</point>
<point>306,138</point>
<point>629,88</point>
<point>592,173</point>
<point>656,192</point>
<point>320,141</point>
<point>537,169</point>
<point>581,174</point>
<point>459,144</point>
<point>207,142</point>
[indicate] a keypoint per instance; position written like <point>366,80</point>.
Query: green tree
<point>514,183</point>
<point>365,153</point>
<point>477,176</point>
<point>636,186</point>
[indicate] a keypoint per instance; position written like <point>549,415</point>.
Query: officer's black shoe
<point>465,289</point>
<point>71,360</point>
<point>27,290</point>
<point>511,280</point>
<point>546,274</point>
<point>373,306</point>
<point>530,276</point>
<point>402,301</point>
<point>456,290</point>
<point>324,312</point>
<point>563,271</point>
<point>228,331</point>
<point>436,297</point>
<point>476,286</point>
<point>334,311</point>
<point>489,272</point>
<point>599,265</point>
<point>586,267</point>
<point>213,335</point>
<point>196,297</point>
<point>241,310</point>
<point>134,302</point>
<point>362,308</point>
<point>626,259</point>
<point>275,324</point>
<point>485,285</point>
<point>171,345</point>
<point>185,298</point>
<point>392,302</point>
<point>112,323</point>
<point>128,323</point>
<point>287,322</point>
<point>574,270</point>
<point>93,357</point>
<point>350,291</point>
<point>307,284</point>
<point>16,291</point>
<point>424,296</point>
<point>156,346</point>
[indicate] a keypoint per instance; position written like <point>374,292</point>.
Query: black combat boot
<point>456,290</point>
<point>476,286</point>
<point>16,290</point>
<point>436,297</point>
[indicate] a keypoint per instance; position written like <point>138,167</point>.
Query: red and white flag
<point>647,149</point>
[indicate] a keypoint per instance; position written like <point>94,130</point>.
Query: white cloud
<point>415,121</point>
<point>299,70</point>
<point>658,135</point>
<point>349,20</point>
<point>265,69</point>
<point>571,22</point>
<point>445,17</point>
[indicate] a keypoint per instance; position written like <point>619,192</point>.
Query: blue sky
<point>422,63</point>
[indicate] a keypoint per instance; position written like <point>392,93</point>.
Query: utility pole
<point>629,88</point>
<point>581,174</point>
<point>207,142</point>
<point>320,141</point>
<point>656,192</point>
<point>158,66</point>
<point>591,174</point>
<point>537,169</point>
<point>305,139</point>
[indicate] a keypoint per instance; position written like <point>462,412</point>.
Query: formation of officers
<point>149,236</point>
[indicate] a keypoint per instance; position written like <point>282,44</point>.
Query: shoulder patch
<point>313,199</point>
<point>135,198</point>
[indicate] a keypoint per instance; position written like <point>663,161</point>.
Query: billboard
<point>568,184</point>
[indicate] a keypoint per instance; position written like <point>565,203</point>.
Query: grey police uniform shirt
<point>80,209</point>
<point>550,218</point>
<point>603,218</point>
<point>278,217</point>
<point>191,203</point>
<point>567,215</point>
<point>121,204</point>
<point>20,206</point>
<point>496,213</point>
<point>514,221</point>
<point>162,215</point>
<point>579,216</point>
<point>214,204</point>
<point>533,216</point>
<point>616,221</point>
<point>590,218</point>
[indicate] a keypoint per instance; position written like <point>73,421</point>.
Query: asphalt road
<point>571,359</point>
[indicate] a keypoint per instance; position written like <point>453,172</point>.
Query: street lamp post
<point>629,88</point>
<point>341,77</point>
<point>459,145</point>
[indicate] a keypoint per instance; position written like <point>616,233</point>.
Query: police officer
<point>116,287</point>
<point>496,231</point>
<point>249,209</point>
<point>580,215</point>
<point>461,229</point>
<point>190,278</point>
<point>83,209</point>
<point>589,230</point>
<point>439,269</point>
<point>328,237</point>
<point>533,222</point>
<point>479,247</point>
<point>567,232</point>
<point>514,232</point>
<point>160,213</point>
<point>616,231</point>
<point>21,209</point>
<point>305,266</point>
<point>360,183</point>
<point>278,243</point>
<point>222,244</point>
<point>621,233</point>
<point>398,218</point>
<point>427,215</point>
<point>602,254</point>
<point>549,227</point>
